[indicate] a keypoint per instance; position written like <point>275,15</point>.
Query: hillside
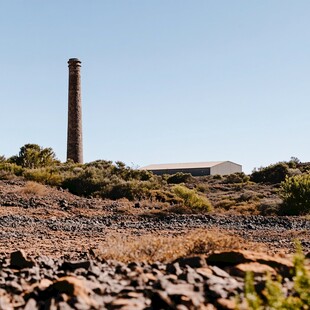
<point>100,248</point>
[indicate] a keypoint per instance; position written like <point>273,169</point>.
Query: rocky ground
<point>198,282</point>
<point>64,236</point>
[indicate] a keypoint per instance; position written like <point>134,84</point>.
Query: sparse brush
<point>202,187</point>
<point>151,248</point>
<point>226,204</point>
<point>34,188</point>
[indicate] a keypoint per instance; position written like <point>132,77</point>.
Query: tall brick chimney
<point>74,140</point>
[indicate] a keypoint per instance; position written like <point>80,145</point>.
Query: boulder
<point>18,260</point>
<point>233,258</point>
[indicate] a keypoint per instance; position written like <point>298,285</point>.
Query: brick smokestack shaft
<point>74,140</point>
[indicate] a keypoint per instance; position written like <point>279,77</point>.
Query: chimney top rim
<point>74,60</point>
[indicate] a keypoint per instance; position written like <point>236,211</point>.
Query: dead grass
<point>166,248</point>
<point>33,188</point>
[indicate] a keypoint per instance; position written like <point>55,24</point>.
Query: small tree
<point>295,192</point>
<point>34,156</point>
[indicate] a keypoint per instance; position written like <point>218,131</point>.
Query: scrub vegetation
<point>282,188</point>
<point>273,296</point>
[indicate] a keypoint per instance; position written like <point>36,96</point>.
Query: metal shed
<point>196,169</point>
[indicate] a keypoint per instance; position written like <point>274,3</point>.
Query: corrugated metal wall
<point>226,168</point>
<point>193,171</point>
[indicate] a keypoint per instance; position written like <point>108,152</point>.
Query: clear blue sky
<point>162,81</point>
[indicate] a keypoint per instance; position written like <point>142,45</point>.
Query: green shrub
<point>106,180</point>
<point>253,300</point>
<point>86,182</point>
<point>272,174</point>
<point>179,177</point>
<point>238,177</point>
<point>217,177</point>
<point>8,170</point>
<point>192,199</point>
<point>164,196</point>
<point>295,192</point>
<point>34,156</point>
<point>44,175</point>
<point>273,296</point>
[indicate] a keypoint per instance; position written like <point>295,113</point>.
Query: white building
<point>196,169</point>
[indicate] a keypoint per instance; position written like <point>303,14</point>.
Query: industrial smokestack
<point>74,140</point>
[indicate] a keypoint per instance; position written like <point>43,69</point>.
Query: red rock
<point>227,304</point>
<point>257,269</point>
<point>232,258</point>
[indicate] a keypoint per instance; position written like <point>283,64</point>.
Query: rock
<point>184,294</point>
<point>5,303</point>
<point>258,269</point>
<point>127,304</point>
<point>191,276</point>
<point>205,272</point>
<point>31,305</point>
<point>62,306</point>
<point>133,265</point>
<point>221,287</point>
<point>194,261</point>
<point>137,205</point>
<point>174,268</point>
<point>214,287</point>
<point>69,286</point>
<point>219,272</point>
<point>13,287</point>
<point>18,260</point>
<point>161,300</point>
<point>75,265</point>
<point>226,304</point>
<point>228,258</point>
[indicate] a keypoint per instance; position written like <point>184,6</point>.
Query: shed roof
<point>208,164</point>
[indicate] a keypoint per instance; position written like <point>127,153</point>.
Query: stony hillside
<point>61,251</point>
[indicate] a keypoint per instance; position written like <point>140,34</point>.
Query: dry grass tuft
<point>34,188</point>
<point>151,248</point>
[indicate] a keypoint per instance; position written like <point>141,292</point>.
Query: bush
<point>272,174</point>
<point>192,199</point>
<point>34,156</point>
<point>273,295</point>
<point>8,170</point>
<point>86,182</point>
<point>202,187</point>
<point>179,177</point>
<point>238,177</point>
<point>44,175</point>
<point>164,196</point>
<point>106,180</point>
<point>295,192</point>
